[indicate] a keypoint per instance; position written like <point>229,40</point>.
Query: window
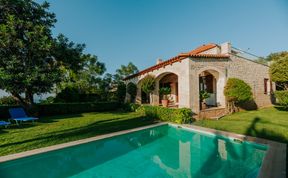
<point>266,85</point>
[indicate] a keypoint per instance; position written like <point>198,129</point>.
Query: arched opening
<point>169,80</point>
<point>208,89</point>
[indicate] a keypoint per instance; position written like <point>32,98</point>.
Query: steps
<point>212,113</point>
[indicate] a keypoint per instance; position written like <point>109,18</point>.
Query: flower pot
<point>164,103</point>
<point>203,105</point>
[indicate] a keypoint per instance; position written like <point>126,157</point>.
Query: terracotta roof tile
<point>181,56</point>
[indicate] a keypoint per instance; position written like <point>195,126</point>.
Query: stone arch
<point>167,79</point>
<point>212,80</point>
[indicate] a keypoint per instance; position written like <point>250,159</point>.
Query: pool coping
<point>273,166</point>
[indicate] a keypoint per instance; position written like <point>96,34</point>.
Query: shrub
<point>236,92</point>
<point>8,100</point>
<point>148,84</point>
<point>279,72</point>
<point>48,100</point>
<point>282,97</point>
<point>130,107</point>
<point>180,116</point>
<point>69,94</point>
<point>164,91</point>
<point>132,90</point>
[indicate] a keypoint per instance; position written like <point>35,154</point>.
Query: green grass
<point>269,123</point>
<point>59,129</point>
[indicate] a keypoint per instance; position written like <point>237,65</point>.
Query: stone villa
<point>205,68</point>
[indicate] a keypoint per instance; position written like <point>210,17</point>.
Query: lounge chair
<point>18,115</point>
<point>4,123</point>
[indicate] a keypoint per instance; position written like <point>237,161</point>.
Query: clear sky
<point>119,31</point>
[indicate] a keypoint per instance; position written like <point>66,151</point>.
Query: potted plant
<point>164,91</point>
<point>203,96</point>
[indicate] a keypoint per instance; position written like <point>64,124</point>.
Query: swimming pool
<point>161,151</point>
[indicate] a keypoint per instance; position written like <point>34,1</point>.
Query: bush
<point>282,97</point>
<point>48,100</point>
<point>8,100</point>
<point>237,92</point>
<point>132,90</point>
<point>180,116</point>
<point>69,94</point>
<point>148,84</point>
<point>121,92</point>
<point>130,107</point>
<point>66,108</point>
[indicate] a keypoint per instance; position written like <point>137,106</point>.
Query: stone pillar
<point>184,83</point>
<point>155,95</point>
<point>138,99</point>
<point>195,92</point>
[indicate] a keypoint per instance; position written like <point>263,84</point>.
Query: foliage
<point>204,95</point>
<point>276,56</point>
<point>132,90</point>
<point>272,57</point>
<point>26,64</point>
<point>282,97</point>
<point>148,84</point>
<point>236,92</point>
<point>48,100</point>
<point>69,94</point>
<point>130,107</point>
<point>8,100</point>
<point>125,71</point>
<point>121,92</point>
<point>180,116</point>
<point>87,78</point>
<point>279,72</point>
<point>164,91</point>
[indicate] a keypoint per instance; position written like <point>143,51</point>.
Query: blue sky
<point>119,31</point>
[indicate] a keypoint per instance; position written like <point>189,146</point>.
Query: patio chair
<point>4,123</point>
<point>18,115</point>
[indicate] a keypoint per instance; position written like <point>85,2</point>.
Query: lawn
<point>270,123</point>
<point>59,129</point>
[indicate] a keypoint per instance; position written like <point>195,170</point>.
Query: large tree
<point>279,72</point>
<point>31,60</point>
<point>125,71</point>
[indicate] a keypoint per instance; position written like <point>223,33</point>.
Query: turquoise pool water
<point>163,151</point>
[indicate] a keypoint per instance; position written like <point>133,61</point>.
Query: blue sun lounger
<point>18,115</point>
<point>4,123</point>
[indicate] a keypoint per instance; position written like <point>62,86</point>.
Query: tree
<point>132,90</point>
<point>125,71</point>
<point>236,92</point>
<point>279,72</point>
<point>121,92</point>
<point>27,64</point>
<point>88,77</point>
<point>148,85</point>
<point>272,57</point>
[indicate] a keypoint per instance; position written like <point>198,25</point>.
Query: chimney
<point>159,61</point>
<point>226,48</point>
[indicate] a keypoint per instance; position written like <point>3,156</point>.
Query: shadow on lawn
<point>264,133</point>
<point>94,129</point>
<point>281,108</point>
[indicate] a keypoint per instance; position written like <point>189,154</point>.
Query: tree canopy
<point>125,71</point>
<point>279,72</point>
<point>236,92</point>
<point>27,64</point>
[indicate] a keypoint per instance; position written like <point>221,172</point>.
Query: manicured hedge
<point>282,97</point>
<point>180,116</point>
<point>65,108</point>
